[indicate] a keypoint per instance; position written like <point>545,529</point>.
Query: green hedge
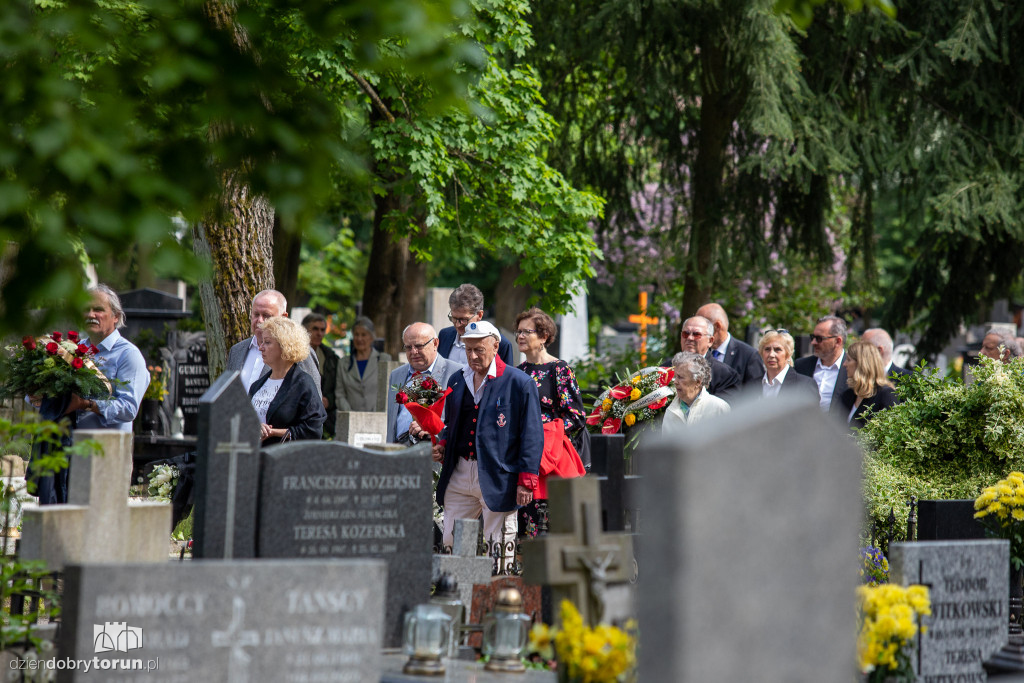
<point>945,439</point>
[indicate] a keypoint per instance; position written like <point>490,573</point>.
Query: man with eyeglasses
<point>466,306</point>
<point>735,353</point>
<point>696,336</point>
<point>327,362</point>
<point>420,344</point>
<point>825,366</point>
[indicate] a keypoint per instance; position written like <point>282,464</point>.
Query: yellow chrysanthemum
<point>606,404</point>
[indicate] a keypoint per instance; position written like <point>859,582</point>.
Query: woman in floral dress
<point>561,411</point>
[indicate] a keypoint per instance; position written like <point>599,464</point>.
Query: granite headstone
<point>237,621</point>
<point>189,373</point>
<point>227,472</point>
<point>757,515</point>
<point>360,428</point>
<point>464,564</point>
<point>323,499</point>
<point>941,520</point>
<point>969,585</point>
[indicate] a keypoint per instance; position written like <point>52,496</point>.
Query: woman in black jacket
<point>286,399</point>
<point>869,387</point>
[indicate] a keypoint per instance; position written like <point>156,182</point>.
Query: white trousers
<point>463,500</point>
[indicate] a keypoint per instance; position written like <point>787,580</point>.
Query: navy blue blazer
<point>743,358</point>
<point>296,407</point>
<point>446,339</point>
<point>509,435</point>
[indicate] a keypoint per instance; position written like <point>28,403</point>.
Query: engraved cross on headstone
<point>227,472</point>
<point>233,448</point>
<point>237,638</point>
<point>577,559</point>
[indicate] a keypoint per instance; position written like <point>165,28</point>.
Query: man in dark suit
<point>492,442</point>
<point>466,305</point>
<point>245,356</point>
<point>420,343</point>
<point>737,354</point>
<point>327,361</point>
<point>695,336</point>
<point>883,342</point>
<point>826,365</point>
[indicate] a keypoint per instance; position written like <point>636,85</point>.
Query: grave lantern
<point>505,632</point>
<point>446,596</point>
<point>425,638</point>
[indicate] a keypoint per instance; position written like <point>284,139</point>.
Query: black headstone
<point>227,472</point>
<point>940,520</point>
<point>223,621</point>
<point>189,375</point>
<point>323,499</point>
<point>150,309</point>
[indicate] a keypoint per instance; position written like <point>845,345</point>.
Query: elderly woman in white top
<point>692,402</point>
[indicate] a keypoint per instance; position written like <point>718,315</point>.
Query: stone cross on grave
<point>98,524</point>
<point>577,559</point>
<point>643,320</point>
<point>227,472</point>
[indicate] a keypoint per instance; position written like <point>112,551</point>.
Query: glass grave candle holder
<point>425,639</point>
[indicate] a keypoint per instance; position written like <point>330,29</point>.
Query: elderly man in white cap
<point>493,439</point>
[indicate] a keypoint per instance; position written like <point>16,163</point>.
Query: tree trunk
<point>511,298</point>
<point>721,101</point>
<point>386,276</point>
<point>239,246</point>
<point>414,293</point>
<point>287,256</point>
<point>238,240</point>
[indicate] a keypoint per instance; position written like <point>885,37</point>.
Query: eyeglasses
<point>417,347</point>
<point>523,333</point>
<point>459,321</point>
<point>695,335</point>
<point>778,331</point>
<point>818,338</point>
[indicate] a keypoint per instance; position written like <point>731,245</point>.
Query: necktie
<point>717,354</point>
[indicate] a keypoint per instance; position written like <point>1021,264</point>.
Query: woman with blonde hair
<point>868,385</point>
<point>776,351</point>
<point>286,398</point>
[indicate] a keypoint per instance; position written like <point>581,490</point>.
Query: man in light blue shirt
<point>118,359</point>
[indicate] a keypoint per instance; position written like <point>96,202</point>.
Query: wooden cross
<point>577,559</point>
<point>643,320</point>
<point>98,524</point>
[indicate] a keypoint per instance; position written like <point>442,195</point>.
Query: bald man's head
<point>419,341</point>
<point>716,314</point>
<point>881,340</point>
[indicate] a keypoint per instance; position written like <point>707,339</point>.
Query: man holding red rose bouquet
<point>425,368</point>
<point>109,400</point>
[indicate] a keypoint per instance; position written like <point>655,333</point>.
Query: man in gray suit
<point>420,344</point>
<point>245,356</point>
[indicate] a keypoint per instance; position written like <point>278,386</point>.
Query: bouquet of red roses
<point>636,399</point>
<point>50,366</point>
<point>424,398</point>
